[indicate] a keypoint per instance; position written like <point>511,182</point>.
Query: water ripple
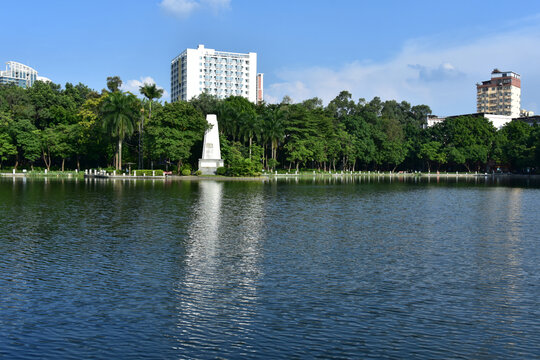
<point>333,270</point>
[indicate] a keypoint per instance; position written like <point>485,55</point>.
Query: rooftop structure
<point>260,92</point>
<point>217,73</point>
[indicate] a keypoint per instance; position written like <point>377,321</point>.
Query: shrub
<point>245,167</point>
<point>198,172</point>
<point>186,172</point>
<point>221,171</point>
<point>272,163</point>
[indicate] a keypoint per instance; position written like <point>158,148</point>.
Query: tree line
<point>76,127</point>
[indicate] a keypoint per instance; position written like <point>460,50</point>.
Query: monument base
<point>209,166</point>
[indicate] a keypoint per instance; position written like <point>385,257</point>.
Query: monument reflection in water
<point>217,294</point>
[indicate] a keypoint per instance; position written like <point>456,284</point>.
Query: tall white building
<point>217,73</point>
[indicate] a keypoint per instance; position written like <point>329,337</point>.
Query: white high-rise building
<point>217,73</point>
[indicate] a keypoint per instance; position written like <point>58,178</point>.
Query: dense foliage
<point>77,127</point>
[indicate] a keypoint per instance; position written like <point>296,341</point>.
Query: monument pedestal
<point>209,166</point>
<point>211,156</point>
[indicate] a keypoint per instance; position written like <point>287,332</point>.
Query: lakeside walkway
<point>95,174</point>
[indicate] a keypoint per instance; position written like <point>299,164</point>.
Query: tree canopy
<point>76,127</point>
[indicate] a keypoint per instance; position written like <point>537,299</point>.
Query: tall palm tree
<point>249,128</point>
<point>120,111</point>
<point>274,128</point>
<point>151,92</point>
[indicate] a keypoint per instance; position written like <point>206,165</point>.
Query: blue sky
<point>423,52</point>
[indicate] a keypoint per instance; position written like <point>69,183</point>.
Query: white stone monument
<point>211,154</point>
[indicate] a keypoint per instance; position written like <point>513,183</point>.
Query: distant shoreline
<point>268,176</point>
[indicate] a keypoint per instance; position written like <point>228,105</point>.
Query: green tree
<point>468,139</point>
<point>46,100</point>
<point>274,130</point>
<point>174,130</point>
<point>517,148</point>
<point>150,92</point>
<point>233,112</point>
<point>49,140</point>
<point>119,112</point>
<point>88,134</point>
<point>206,104</point>
<point>114,83</point>
<point>432,151</point>
<point>392,147</point>
<point>535,145</point>
<point>342,106</point>
<point>27,140</point>
<point>66,141</point>
<point>7,147</point>
<point>250,127</point>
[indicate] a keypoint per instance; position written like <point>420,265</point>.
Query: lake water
<point>288,269</point>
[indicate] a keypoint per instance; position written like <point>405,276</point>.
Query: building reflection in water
<point>218,289</point>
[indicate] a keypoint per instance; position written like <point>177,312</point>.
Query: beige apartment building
<point>501,95</point>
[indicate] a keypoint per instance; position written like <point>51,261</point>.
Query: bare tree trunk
<point>63,161</point>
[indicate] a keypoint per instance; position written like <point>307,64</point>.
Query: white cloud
<point>424,72</point>
<point>184,8</point>
<point>133,86</point>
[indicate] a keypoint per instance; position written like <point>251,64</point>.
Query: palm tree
<point>274,128</point>
<point>151,92</point>
<point>249,128</point>
<point>119,111</point>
